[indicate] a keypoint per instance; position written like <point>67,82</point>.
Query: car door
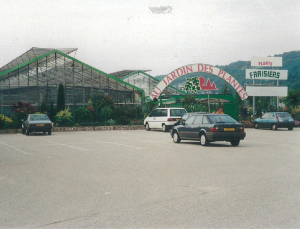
<point>206,124</point>
<point>271,120</point>
<point>263,122</point>
<point>196,126</point>
<point>162,117</point>
<point>185,130</point>
<point>152,118</point>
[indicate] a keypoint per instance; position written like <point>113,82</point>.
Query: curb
<point>80,128</point>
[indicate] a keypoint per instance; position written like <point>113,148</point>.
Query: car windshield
<point>38,117</point>
<point>221,119</point>
<point>184,117</point>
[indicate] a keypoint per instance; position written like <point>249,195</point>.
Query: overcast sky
<point>113,35</point>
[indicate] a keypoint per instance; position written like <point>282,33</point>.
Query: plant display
<point>64,118</point>
<point>137,122</point>
<point>248,123</point>
<point>99,103</point>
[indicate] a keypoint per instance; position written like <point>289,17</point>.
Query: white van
<point>163,118</point>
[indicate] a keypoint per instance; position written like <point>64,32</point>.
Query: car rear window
<point>38,117</point>
<point>177,112</point>
<point>283,115</point>
<point>221,119</point>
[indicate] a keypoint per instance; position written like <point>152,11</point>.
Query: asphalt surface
<point>140,179</point>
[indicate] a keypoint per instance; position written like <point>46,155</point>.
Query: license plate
<point>40,124</point>
<point>229,129</point>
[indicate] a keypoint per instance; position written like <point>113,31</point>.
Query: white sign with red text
<point>192,68</point>
<point>266,61</point>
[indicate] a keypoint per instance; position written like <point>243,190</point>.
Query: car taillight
<point>242,129</point>
<point>171,119</point>
<point>214,129</point>
<point>277,120</point>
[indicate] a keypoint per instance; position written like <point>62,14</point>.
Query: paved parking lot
<point>139,179</point>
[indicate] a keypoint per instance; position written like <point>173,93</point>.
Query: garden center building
<point>34,78</point>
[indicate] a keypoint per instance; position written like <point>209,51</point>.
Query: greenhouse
<point>35,76</point>
<point>148,83</point>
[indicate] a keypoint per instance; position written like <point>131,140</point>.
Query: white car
<point>163,118</point>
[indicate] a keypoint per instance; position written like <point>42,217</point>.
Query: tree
<point>293,97</point>
<point>189,99</point>
<point>225,89</point>
<point>101,102</point>
<point>60,98</point>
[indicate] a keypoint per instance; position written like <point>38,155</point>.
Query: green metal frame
<point>230,108</point>
<point>2,74</point>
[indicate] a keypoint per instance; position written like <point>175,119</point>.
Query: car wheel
<point>235,142</point>
<point>290,128</point>
<point>256,126</point>
<point>23,131</point>
<point>274,127</point>
<point>27,132</point>
<point>49,132</point>
<point>203,140</point>
<point>176,137</point>
<point>164,128</point>
<point>147,127</point>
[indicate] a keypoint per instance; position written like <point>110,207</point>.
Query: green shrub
<point>137,122</point>
<point>123,120</point>
<point>111,122</point>
<point>295,112</point>
<point>83,114</point>
<point>60,98</point>
<point>64,118</point>
<point>108,111</point>
<point>89,124</point>
<point>5,121</point>
<point>18,116</point>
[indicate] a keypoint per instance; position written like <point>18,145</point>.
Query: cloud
<point>161,10</point>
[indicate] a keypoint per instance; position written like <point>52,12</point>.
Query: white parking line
<point>268,143</point>
<point>113,143</point>
<point>66,145</point>
<point>14,148</point>
<point>141,140</point>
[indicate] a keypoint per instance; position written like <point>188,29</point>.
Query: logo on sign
<point>198,83</point>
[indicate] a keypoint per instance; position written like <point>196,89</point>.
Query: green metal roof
<point>32,54</point>
<point>124,73</point>
<point>33,62</point>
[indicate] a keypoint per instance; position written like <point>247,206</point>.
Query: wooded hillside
<point>290,62</point>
